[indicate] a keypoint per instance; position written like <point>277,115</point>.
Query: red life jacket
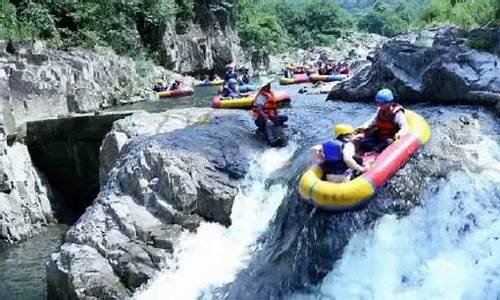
<point>385,124</point>
<point>270,107</point>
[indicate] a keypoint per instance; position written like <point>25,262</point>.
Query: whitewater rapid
<point>445,249</point>
<point>212,256</point>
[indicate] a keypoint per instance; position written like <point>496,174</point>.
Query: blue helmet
<point>332,150</point>
<point>232,81</point>
<point>384,96</point>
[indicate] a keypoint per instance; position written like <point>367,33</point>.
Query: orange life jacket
<point>270,107</point>
<point>385,124</point>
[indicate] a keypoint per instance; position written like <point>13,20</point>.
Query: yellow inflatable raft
<point>341,196</point>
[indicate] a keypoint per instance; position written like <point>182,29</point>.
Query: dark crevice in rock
<point>67,152</point>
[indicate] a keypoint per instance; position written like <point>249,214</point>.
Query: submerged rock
<point>160,185</point>
<point>438,65</point>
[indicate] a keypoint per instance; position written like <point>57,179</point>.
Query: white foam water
<point>212,256</point>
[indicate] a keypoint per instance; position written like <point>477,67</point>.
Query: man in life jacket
<point>337,157</point>
<point>387,125</point>
<point>265,113</point>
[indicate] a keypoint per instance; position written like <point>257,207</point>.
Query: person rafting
<point>160,86</point>
<point>337,157</point>
<point>287,73</point>
<point>265,114</point>
<point>245,78</point>
<point>344,69</point>
<point>176,84</point>
<point>230,73</point>
<point>206,78</point>
<point>231,89</point>
<point>386,125</point>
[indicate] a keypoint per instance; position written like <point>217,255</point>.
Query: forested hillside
<point>275,24</point>
<point>135,27</point>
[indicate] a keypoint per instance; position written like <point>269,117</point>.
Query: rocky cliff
<point>442,65</point>
<point>163,181</point>
<point>38,83</point>
<point>24,194</point>
<point>209,43</point>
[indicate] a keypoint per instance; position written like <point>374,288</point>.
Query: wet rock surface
<point>161,185</point>
<point>442,65</point>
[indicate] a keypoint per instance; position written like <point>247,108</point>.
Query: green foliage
<point>136,27</point>
<point>185,14</point>
<point>273,25</point>
<point>466,13</point>
<point>127,26</point>
<point>10,27</point>
<point>314,22</point>
<point>263,31</point>
<point>385,21</point>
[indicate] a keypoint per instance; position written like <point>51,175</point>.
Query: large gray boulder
<point>437,65</point>
<point>161,185</point>
<point>147,124</point>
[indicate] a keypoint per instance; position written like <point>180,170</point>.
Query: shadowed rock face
<point>161,185</point>
<point>437,65</point>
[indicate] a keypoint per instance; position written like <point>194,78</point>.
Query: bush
<point>384,21</point>
<point>466,13</point>
<point>10,27</point>
<point>314,22</point>
<point>273,25</point>
<point>127,26</point>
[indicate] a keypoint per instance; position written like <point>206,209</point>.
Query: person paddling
<point>337,157</point>
<point>388,123</point>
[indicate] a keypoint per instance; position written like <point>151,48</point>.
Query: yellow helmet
<point>341,129</point>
